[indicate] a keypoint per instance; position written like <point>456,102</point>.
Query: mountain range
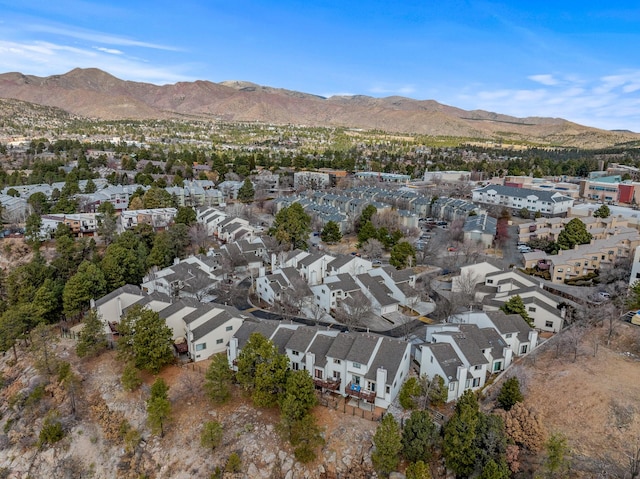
<point>96,94</point>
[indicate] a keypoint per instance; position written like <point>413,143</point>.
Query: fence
<point>193,367</point>
<point>338,403</point>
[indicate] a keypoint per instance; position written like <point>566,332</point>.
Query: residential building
<point>367,367</point>
<point>515,199</point>
<point>158,218</point>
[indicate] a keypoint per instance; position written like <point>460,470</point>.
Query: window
<point>497,366</point>
<point>371,387</point>
<point>229,328</point>
<point>295,366</point>
<point>336,361</point>
<point>431,359</point>
<point>476,382</point>
<point>295,353</point>
<point>523,349</point>
<point>356,365</point>
<point>318,373</point>
<point>356,380</point>
<point>219,341</point>
<point>388,390</point>
<point>467,384</point>
<point>560,270</point>
<point>201,346</point>
<point>477,367</point>
<point>548,324</point>
<point>489,281</point>
<point>336,375</point>
<point>532,309</point>
<point>452,386</point>
<point>508,335</point>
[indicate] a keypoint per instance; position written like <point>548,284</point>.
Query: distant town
<point>401,281</point>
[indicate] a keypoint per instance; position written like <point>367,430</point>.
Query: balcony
<point>332,384</point>
<point>356,390</point>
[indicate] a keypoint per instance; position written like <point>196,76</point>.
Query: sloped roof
<point>389,356</point>
<point>447,358</point>
<point>211,324</point>
<point>183,303</point>
<point>127,288</point>
<point>320,348</point>
<point>362,348</point>
<point>378,290</point>
<point>281,338</point>
<point>542,195</point>
<point>510,323</point>
<point>341,346</point>
<point>301,339</point>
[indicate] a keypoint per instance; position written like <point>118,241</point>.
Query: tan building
<point>550,228</point>
<point>584,259</point>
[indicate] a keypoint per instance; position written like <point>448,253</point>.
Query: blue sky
<point>577,60</point>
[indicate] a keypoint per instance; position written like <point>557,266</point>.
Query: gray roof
<point>483,222</point>
<point>341,346</point>
<point>495,340</point>
<point>281,338</point>
<point>345,283</point>
<point>155,296</point>
<point>542,195</point>
<point>340,261</point>
<point>178,306</point>
<point>389,356</point>
<point>244,332</point>
<point>510,323</point>
<point>473,332</point>
<point>378,290</point>
<point>310,259</point>
<point>127,288</point>
<point>301,339</point>
<point>202,310</point>
<point>320,347</point>
<point>447,359</point>
<point>468,347</point>
<point>362,348</point>
<point>211,324</point>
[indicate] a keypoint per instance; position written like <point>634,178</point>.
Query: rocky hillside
<point>97,94</point>
<point>95,443</point>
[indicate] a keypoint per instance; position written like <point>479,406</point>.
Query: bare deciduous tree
<point>353,315</point>
<point>199,236</point>
<point>572,337</point>
<point>372,248</point>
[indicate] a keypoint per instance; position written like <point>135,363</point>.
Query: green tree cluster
<point>474,442</point>
<point>515,305</point>
<point>574,233</point>
<point>292,226</point>
<point>510,393</point>
<point>158,407</point>
<point>331,233</point>
<point>145,339</point>
<point>403,255</point>
<point>603,212</point>
<point>246,192</point>
<point>263,371</point>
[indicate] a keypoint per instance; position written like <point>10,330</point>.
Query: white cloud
<point>112,51</point>
<point>546,79</point>
<point>47,58</point>
<point>97,37</point>
<point>610,102</point>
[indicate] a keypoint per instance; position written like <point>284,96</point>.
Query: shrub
<point>234,463</point>
<point>410,389</point>
<point>510,394</point>
<point>51,431</point>
<point>130,378</point>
